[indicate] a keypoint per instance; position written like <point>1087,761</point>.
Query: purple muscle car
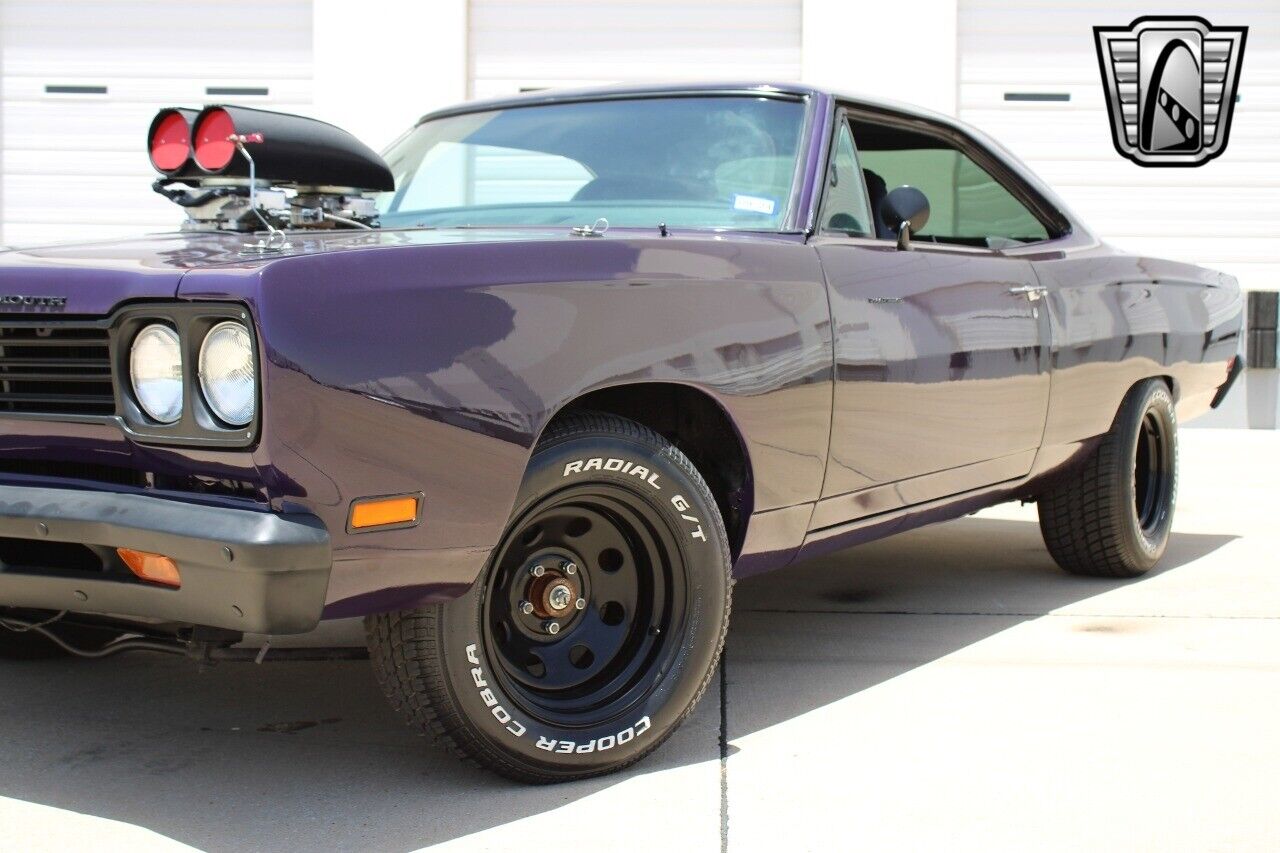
<point>528,391</point>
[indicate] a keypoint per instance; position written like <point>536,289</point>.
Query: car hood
<point>93,278</point>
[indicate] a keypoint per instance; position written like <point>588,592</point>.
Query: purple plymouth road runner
<point>527,391</point>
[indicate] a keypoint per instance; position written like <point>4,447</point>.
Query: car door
<point>941,350</point>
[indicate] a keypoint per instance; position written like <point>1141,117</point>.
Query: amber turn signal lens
<point>383,511</point>
<point>156,568</point>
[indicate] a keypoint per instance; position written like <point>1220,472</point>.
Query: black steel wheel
<point>588,593</point>
<point>1153,473</point>
<point>1111,516</point>
<point>596,625</point>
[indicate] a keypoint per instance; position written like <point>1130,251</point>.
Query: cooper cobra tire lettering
<point>600,744</point>
<point>501,714</point>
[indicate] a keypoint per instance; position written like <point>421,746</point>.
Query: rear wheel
<point>1111,517</point>
<point>594,629</point>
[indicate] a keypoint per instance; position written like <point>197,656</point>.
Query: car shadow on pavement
<point>292,755</point>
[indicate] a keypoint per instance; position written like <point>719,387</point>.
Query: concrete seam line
<point>1003,613</point>
<point>724,750</point>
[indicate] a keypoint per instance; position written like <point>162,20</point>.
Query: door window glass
<point>967,205</point>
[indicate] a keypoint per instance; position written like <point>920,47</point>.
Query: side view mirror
<point>905,210</point>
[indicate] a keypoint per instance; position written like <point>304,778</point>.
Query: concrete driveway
<point>946,689</point>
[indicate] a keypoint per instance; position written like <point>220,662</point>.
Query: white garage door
<point>1029,77</point>
<point>532,44</point>
<point>82,79</point>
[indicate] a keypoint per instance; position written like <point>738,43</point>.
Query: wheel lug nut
<point>526,607</point>
<point>570,567</point>
<point>580,604</point>
<point>552,627</point>
<point>538,571</point>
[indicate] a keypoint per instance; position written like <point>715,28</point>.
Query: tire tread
<point>1083,516</point>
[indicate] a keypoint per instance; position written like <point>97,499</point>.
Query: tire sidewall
<point>1149,548</point>
<point>469,667</point>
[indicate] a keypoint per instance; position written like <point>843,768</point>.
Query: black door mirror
<point>905,210</point>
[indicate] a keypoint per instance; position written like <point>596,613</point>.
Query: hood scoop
<point>248,170</point>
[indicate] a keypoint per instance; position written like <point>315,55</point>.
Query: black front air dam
<point>242,569</point>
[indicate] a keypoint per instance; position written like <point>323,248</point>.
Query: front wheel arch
<point>694,421</point>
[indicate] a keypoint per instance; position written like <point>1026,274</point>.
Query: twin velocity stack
<point>241,169</point>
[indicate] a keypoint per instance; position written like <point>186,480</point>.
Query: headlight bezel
<point>198,424</point>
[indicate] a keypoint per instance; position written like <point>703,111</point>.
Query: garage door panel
<point>1056,136</point>
<point>45,198</point>
<point>75,166</point>
<point>18,89</point>
<point>90,126</point>
<point>22,234</point>
<point>526,45</point>
<point>87,164</point>
<point>1124,177</point>
<point>1222,214</point>
<point>1088,95</point>
<point>1201,250</point>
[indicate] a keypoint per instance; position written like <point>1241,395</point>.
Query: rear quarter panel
<point>1117,319</point>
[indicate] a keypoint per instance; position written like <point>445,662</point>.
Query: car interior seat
<point>876,191</point>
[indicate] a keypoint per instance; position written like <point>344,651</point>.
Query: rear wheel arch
<point>696,423</point>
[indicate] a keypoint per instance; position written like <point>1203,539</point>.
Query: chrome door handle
<point>1033,292</point>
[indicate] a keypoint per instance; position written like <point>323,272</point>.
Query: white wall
<point>903,51</point>
<point>379,67</point>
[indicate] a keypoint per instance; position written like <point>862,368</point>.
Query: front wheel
<point>594,629</point>
<point>1111,517</point>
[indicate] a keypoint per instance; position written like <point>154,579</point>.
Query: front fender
<point>434,368</point>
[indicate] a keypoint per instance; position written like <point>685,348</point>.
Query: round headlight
<point>226,373</point>
<point>155,370</point>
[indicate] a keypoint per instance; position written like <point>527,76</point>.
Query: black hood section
<point>293,149</point>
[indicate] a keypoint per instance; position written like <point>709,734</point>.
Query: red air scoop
<point>170,141</point>
<point>213,147</point>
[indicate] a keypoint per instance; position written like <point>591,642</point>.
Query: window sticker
<point>754,204</point>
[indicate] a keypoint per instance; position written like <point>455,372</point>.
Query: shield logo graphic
<point>1171,88</point>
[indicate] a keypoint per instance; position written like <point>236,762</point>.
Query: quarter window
<point>845,209</point>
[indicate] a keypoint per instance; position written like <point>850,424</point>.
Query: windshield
<point>694,162</point>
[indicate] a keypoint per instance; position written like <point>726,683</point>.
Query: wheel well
<point>694,422</point>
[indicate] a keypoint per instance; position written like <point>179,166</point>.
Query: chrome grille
<point>55,370</point>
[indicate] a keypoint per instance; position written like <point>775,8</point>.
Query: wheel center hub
<point>560,597</point>
<point>553,593</point>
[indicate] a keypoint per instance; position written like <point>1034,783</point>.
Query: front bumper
<point>242,570</point>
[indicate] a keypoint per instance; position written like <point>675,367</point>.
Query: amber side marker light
<point>378,513</point>
<point>156,568</point>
